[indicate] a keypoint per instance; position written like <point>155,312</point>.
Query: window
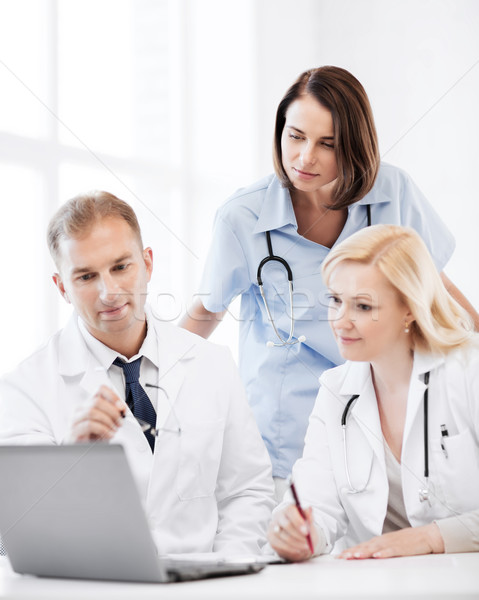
<point>87,96</point>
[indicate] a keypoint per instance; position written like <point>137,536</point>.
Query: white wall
<point>230,63</point>
<point>418,60</point>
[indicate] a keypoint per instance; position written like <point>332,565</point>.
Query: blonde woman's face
<point>366,313</point>
<point>307,145</point>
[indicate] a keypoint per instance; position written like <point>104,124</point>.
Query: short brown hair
<point>355,138</point>
<point>77,216</point>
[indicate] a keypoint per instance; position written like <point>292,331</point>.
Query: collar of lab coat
<point>358,380</point>
<point>358,374</point>
<point>176,347</point>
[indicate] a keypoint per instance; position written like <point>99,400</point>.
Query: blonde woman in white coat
<point>397,473</point>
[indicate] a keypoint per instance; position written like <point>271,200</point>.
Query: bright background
<point>170,105</point>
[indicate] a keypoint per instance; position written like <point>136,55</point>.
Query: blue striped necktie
<point>136,397</point>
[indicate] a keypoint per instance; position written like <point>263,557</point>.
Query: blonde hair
<point>440,323</point>
<point>77,216</point>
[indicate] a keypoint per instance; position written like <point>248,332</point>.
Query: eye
<point>364,307</point>
<point>327,145</point>
<point>120,267</point>
<point>293,136</point>
<point>86,277</point>
<point>333,299</point>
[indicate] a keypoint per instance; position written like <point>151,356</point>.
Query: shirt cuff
<point>460,533</point>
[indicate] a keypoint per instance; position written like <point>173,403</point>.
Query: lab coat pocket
<point>201,445</point>
<point>458,473</point>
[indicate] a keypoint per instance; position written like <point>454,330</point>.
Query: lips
<point>114,312</point>
<point>347,340</point>
<point>304,174</point>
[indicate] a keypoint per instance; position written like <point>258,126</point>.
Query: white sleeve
<point>315,480</point>
<point>22,418</point>
<point>244,491</point>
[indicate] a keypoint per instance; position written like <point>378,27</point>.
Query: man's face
<point>104,275</point>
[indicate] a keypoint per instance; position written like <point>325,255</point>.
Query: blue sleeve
<point>419,214</point>
<point>397,200</point>
<point>226,273</point>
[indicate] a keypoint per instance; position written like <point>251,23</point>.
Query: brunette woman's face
<point>307,145</point>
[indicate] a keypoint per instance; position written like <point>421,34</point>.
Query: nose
<point>341,318</point>
<point>308,156</point>
<point>108,289</point>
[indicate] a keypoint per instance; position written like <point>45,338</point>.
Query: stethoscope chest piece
<point>424,495</point>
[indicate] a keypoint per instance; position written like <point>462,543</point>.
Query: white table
<point>442,577</point>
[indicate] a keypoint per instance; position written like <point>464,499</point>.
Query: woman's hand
<point>288,533</point>
<point>405,542</point>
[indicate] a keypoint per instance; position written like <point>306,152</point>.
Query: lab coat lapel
<point>175,354</point>
<point>415,402</point>
<point>75,360</point>
<point>365,410</point>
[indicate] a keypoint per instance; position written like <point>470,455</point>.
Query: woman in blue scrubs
<point>328,183</point>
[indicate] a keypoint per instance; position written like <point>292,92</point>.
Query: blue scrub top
<point>282,382</point>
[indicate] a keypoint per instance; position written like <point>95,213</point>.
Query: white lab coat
<point>454,481</point>
<point>209,489</point>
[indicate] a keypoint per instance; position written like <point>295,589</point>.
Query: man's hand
<point>288,533</point>
<point>100,418</point>
<point>405,542</point>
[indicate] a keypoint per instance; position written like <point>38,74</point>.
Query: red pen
<point>301,512</point>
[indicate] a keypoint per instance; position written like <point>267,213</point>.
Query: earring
<point>406,327</point>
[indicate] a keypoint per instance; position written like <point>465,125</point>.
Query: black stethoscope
<point>423,491</point>
<point>271,258</point>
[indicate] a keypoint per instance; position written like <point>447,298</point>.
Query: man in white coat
<point>204,475</point>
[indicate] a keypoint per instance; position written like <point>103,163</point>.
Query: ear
<point>148,258</point>
<point>57,280</point>
<point>409,317</point>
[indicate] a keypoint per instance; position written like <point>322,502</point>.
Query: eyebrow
<point>323,137</point>
<point>357,297</point>
<point>82,270</point>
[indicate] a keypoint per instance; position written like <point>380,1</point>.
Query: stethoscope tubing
<point>274,258</point>
<point>287,342</point>
<point>352,489</point>
<point>423,492</point>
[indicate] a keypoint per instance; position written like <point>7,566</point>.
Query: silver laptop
<point>75,511</point>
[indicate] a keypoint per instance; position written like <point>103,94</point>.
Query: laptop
<point>74,511</point>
